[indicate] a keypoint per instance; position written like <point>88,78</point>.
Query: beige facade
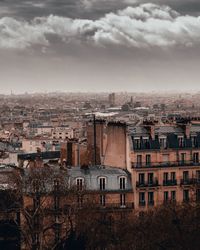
<point>162,169</point>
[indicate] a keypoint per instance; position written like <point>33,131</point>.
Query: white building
<point>62,133</point>
<point>32,145</point>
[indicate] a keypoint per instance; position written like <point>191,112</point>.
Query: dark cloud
<point>144,26</point>
<point>91,9</point>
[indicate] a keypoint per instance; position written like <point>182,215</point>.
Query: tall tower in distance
<point>111,99</point>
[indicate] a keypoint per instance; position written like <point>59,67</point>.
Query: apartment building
<point>165,163</point>
<point>51,197</point>
<point>63,132</point>
<point>163,159</point>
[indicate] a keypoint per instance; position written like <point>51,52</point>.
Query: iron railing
<point>164,164</point>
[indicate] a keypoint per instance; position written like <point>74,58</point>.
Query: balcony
<point>164,164</point>
<point>153,183</point>
<point>151,203</point>
<point>142,203</point>
<point>169,202</point>
<point>169,182</point>
<point>116,206</point>
<point>188,181</point>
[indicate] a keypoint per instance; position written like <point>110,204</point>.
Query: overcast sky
<point>99,45</point>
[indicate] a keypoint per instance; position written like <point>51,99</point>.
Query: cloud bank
<point>144,26</point>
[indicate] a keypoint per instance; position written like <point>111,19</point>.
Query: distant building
<point>62,132</point>
<point>111,99</point>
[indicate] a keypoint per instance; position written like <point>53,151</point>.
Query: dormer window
<point>137,143</point>
<point>194,141</point>
<point>122,183</point>
<point>163,142</point>
<point>35,185</point>
<point>146,142</point>
<point>56,184</point>
<point>181,141</point>
<point>102,183</point>
<point>79,183</point>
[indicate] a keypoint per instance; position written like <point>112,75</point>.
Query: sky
<point>99,45</point>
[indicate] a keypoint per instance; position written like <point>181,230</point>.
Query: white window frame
<point>99,182</point>
<point>125,182</point>
<point>80,187</point>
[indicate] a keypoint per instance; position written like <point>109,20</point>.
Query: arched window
<point>122,182</point>
<point>79,183</point>
<point>56,184</point>
<point>102,183</point>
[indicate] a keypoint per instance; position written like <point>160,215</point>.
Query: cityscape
<point>99,125</point>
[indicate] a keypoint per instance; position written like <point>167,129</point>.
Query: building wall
<point>76,156</point>
<point>100,141</point>
<point>115,152</point>
<point>159,187</point>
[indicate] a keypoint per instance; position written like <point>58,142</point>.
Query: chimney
<point>187,130</point>
<point>150,126</point>
<point>152,132</point>
<point>185,124</point>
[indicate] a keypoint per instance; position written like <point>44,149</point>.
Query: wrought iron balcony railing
<point>152,183</point>
<point>164,164</point>
<point>142,203</point>
<point>169,182</point>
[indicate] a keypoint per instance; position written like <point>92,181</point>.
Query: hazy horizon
<point>99,46</point>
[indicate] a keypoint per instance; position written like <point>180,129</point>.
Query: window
<point>198,176</point>
<point>102,200</point>
<point>173,176</point>
<point>151,198</point>
<point>166,196</point>
<point>173,195</point>
<point>165,178</point>
<point>102,183</point>
<point>122,199</point>
<point>198,195</point>
<point>150,178</point>
<point>185,176</point>
<point>148,160</point>
<point>79,184</point>
<point>196,158</point>
<point>146,143</point>
<point>80,200</point>
<point>142,199</point>
<point>122,183</point>
<point>137,143</point>
<point>183,157</point>
<point>139,160</point>
<point>36,185</point>
<point>185,195</point>
<point>194,141</point>
<point>56,202</point>
<point>56,185</point>
<point>165,159</point>
<point>141,179</point>
<point>181,141</point>
<point>163,142</point>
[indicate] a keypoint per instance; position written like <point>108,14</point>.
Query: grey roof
<point>7,177</point>
<point>195,129</point>
<point>162,130</point>
<point>93,173</point>
<point>90,176</point>
<point>138,130</point>
<point>168,130</point>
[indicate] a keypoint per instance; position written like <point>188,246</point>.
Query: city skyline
<point>106,46</point>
